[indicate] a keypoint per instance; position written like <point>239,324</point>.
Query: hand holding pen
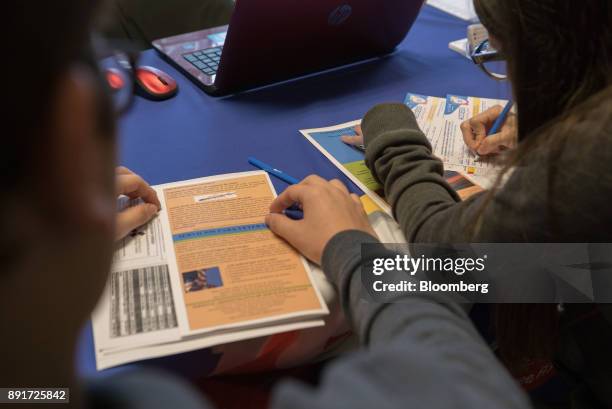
<point>294,211</point>
<point>328,209</point>
<point>311,211</point>
<point>492,131</point>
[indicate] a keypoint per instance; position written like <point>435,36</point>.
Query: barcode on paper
<point>141,301</point>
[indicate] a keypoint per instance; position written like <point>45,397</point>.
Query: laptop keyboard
<point>206,60</point>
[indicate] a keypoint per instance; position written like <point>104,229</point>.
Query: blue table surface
<point>195,135</point>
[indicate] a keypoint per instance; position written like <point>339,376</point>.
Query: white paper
<point>460,47</point>
<point>141,314</point>
<point>464,9</point>
<point>440,119</point>
<point>347,125</point>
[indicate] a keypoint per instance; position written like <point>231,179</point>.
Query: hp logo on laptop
<point>339,15</point>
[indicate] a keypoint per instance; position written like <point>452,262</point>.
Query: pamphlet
<point>205,271</point>
<point>440,120</point>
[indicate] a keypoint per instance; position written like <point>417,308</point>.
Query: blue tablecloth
<point>194,135</point>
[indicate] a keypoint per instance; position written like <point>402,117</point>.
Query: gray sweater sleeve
<point>424,352</point>
<point>537,202</point>
<point>420,352</point>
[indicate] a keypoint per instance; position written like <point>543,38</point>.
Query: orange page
<point>232,269</point>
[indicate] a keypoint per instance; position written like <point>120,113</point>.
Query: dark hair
<point>559,55</point>
<point>558,52</point>
<point>41,40</point>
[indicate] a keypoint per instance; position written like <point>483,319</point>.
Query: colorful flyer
<point>351,161</point>
<point>428,110</point>
<point>205,271</point>
<point>348,159</point>
<point>448,144</point>
<point>233,270</point>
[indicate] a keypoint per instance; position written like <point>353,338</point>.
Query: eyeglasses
<point>486,57</point>
<point>116,63</point>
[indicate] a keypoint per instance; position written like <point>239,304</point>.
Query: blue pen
<point>500,119</point>
<point>273,171</point>
<point>294,212</point>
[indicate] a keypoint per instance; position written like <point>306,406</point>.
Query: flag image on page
<point>206,271</point>
<point>234,270</point>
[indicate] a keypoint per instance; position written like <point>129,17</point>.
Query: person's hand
<point>133,186</point>
<point>328,209</point>
<point>475,132</point>
<point>354,140</point>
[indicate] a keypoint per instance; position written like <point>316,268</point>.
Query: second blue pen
<point>294,212</point>
<point>273,171</point>
<point>499,122</point>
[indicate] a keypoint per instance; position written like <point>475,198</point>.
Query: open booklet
<point>206,271</point>
<point>440,120</point>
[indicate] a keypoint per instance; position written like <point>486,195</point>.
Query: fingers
<point>314,180</point>
<point>492,144</point>
<point>469,136</point>
<point>356,139</point>
<point>352,140</point>
<point>134,217</point>
<point>490,115</point>
<point>311,186</point>
<point>339,185</point>
<point>283,226</point>
<point>356,199</point>
<point>134,186</point>
<point>475,129</point>
<point>122,170</point>
<point>293,194</point>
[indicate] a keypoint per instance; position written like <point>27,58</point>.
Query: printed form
<point>205,271</point>
<point>232,268</point>
<point>440,119</point>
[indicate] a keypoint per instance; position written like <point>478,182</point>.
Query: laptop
<point>269,41</point>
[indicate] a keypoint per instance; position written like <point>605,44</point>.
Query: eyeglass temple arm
<point>493,75</point>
